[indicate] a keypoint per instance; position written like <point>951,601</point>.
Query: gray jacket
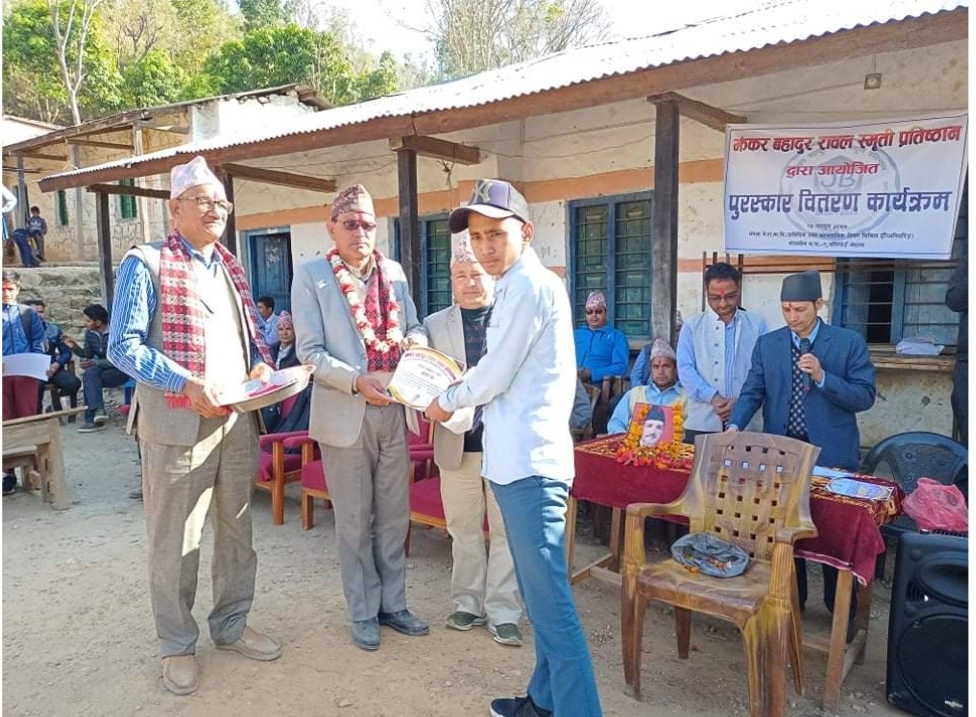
<point>445,331</point>
<point>327,338</point>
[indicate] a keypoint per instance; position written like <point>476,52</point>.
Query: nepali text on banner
<point>855,189</point>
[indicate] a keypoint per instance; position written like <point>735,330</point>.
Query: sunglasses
<point>595,311</point>
<point>352,225</point>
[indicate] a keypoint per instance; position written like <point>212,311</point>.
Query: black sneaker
<point>517,707</point>
<point>90,427</point>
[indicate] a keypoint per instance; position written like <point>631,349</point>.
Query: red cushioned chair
<point>277,467</point>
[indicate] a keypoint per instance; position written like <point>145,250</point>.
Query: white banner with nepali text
<point>854,189</point>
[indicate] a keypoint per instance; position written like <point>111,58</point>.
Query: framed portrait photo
<point>651,425</point>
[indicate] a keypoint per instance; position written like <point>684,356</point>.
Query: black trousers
<point>67,384</point>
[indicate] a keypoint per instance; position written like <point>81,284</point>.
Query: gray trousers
<point>181,485</point>
<point>368,485</point>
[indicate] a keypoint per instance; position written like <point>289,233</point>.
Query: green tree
<point>270,57</point>
<point>379,81</point>
<point>261,14</point>
<point>54,72</point>
<point>152,80</point>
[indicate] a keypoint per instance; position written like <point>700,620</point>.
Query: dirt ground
<point>78,637</point>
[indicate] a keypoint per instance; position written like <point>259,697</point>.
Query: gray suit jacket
<point>327,338</point>
<point>446,334</point>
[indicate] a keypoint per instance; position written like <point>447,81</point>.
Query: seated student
<point>663,389</point>
<point>99,372</point>
<point>21,237</point>
<point>65,382</point>
<point>37,229</point>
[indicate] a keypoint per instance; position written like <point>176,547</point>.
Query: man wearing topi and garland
<point>353,318</point>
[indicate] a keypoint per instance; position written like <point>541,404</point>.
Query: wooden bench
<point>36,441</point>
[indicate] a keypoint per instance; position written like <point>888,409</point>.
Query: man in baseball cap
<point>494,198</point>
<point>528,370</point>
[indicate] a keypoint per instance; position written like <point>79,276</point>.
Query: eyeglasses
<point>716,298</point>
<point>206,204</point>
<point>590,312</point>
<point>353,225</point>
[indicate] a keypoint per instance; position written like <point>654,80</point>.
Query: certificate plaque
<point>422,375</point>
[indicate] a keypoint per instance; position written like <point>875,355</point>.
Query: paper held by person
<point>32,365</point>
<point>422,375</point>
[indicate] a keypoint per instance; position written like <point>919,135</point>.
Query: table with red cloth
<point>849,537</point>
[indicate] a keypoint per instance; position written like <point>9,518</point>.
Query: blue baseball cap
<point>493,198</point>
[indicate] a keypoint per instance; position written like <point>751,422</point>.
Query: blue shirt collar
<point>198,255</point>
<point>812,337</point>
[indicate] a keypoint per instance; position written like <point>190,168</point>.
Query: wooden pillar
<point>104,229</point>
<point>664,224</point>
<point>23,201</point>
<point>79,215</point>
<point>410,255</point>
<point>230,233</point>
<point>141,202</point>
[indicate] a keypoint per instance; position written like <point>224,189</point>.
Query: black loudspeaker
<point>928,626</point>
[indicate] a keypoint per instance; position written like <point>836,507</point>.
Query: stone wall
<point>66,290</point>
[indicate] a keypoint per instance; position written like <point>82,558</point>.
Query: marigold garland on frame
<point>674,455</point>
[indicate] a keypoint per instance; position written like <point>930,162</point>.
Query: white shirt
<point>527,378</point>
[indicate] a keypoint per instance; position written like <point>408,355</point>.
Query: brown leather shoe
<point>255,646</point>
<point>180,674</point>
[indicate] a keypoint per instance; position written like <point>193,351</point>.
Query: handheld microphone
<point>805,349</point>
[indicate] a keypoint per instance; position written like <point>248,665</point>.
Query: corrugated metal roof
<point>777,22</point>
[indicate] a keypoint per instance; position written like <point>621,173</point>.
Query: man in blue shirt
<point>199,458</point>
<point>65,381</point>
<point>269,320</point>
<point>23,332</point>
<point>601,350</point>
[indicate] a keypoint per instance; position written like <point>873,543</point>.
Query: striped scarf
<point>182,310</point>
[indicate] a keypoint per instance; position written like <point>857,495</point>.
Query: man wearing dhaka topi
<point>353,318</point>
<point>183,324</point>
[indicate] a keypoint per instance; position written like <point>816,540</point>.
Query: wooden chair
<point>277,466</point>
<point>751,489</point>
<point>610,387</point>
<point>312,476</point>
<point>586,432</point>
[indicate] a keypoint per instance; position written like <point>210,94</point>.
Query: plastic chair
<point>751,489</point>
<point>910,456</point>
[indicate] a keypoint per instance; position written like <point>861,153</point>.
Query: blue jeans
<point>93,380</point>
<point>534,511</point>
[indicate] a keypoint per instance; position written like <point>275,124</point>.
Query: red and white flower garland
<point>346,284</point>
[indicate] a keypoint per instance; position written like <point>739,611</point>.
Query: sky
<point>378,28</point>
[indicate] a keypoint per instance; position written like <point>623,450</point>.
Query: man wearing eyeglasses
<point>353,319</point>
<point>715,352</point>
<point>601,350</point>
<point>184,324</point>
